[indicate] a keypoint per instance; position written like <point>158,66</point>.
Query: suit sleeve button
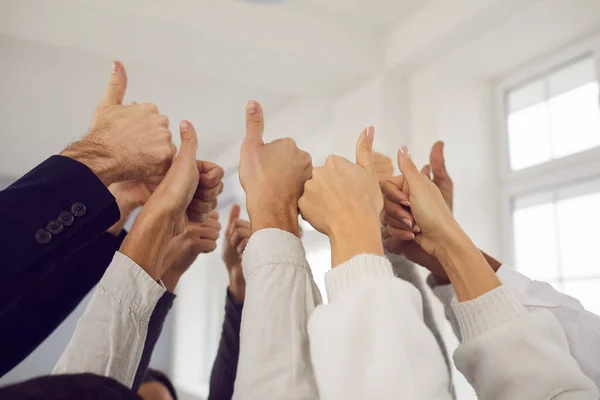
<point>66,218</point>
<point>78,209</point>
<point>42,236</point>
<point>54,227</point>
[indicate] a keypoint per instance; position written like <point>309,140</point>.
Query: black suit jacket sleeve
<point>41,308</point>
<point>59,185</point>
<point>222,377</point>
<point>58,189</point>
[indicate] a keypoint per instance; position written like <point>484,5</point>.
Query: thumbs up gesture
<point>272,174</point>
<point>343,201</point>
<point>125,142</point>
<point>165,215</point>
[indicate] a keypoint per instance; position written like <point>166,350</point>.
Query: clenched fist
<point>236,238</point>
<point>272,174</point>
<point>125,142</point>
<point>164,216</point>
<point>183,249</point>
<point>343,201</point>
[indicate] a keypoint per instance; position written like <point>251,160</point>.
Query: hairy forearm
<point>95,157</point>
<point>265,215</point>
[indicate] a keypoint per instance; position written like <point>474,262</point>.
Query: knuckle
<point>151,108</point>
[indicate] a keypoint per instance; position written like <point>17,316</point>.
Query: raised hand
<point>398,221</point>
<point>129,196</point>
<point>236,238</point>
<point>440,175</point>
<point>428,207</point>
<point>164,215</point>
<point>125,142</point>
<point>197,238</point>
<point>272,174</point>
<point>210,186</point>
<point>383,166</point>
<point>343,201</point>
<point>442,237</point>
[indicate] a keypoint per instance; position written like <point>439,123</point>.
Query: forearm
<point>147,242</point>
<point>353,236</point>
<point>117,333</point>
<point>376,317</point>
<point>274,360</point>
<point>224,370</point>
<point>502,342</point>
<point>466,267</point>
<point>95,157</point>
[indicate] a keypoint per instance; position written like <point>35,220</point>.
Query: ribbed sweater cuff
<point>272,246</point>
<point>353,271</point>
<point>487,312</point>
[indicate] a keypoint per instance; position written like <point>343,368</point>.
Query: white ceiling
<point>215,54</point>
<point>202,59</point>
<point>300,47</point>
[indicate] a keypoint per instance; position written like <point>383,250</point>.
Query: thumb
<point>407,167</point>
<point>117,86</point>
<point>426,170</point>
<point>437,160</point>
<point>189,141</point>
<point>255,124</point>
<point>364,149</point>
<point>234,213</point>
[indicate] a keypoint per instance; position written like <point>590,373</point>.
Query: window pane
<point>578,221</point>
<point>529,136</point>
<point>587,292</point>
<point>535,242</point>
<point>575,120</point>
<point>556,115</point>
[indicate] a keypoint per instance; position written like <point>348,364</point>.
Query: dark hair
<point>153,375</point>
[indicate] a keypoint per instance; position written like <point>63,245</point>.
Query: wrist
<point>147,242</point>
<point>283,215</point>
<point>467,269</point>
<point>170,280</point>
<point>351,235</point>
<point>95,158</point>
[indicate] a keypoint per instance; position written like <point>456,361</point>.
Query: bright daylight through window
<point>555,226</point>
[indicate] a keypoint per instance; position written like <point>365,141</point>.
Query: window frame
<point>552,174</point>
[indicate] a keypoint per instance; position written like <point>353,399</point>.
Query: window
<point>551,171</point>
<point>556,237</point>
<point>555,115</point>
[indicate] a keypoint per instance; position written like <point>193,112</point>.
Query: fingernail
<point>417,228</point>
<point>412,235</point>
<point>370,133</point>
<point>115,67</point>
<point>404,152</point>
<point>405,203</point>
<point>183,126</point>
<point>407,222</point>
<point>252,107</point>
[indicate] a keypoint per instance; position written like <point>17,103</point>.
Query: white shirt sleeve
<point>582,328</point>
<point>509,353</point>
<point>370,341</point>
<point>274,361</point>
<point>117,332</point>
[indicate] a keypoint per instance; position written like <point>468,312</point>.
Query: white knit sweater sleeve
<point>274,360</point>
<point>508,353</point>
<point>581,327</point>
<point>370,341</point>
